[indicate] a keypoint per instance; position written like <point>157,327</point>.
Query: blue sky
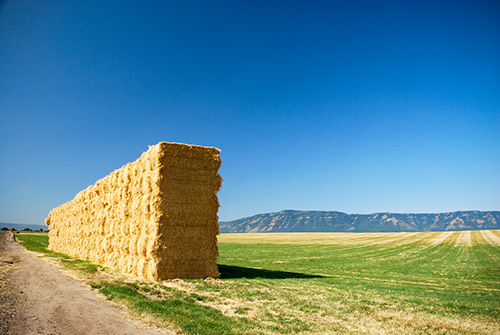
<point>355,106</point>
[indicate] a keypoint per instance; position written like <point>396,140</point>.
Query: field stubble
<point>328,283</point>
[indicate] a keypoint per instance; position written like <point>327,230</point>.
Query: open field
<point>323,283</point>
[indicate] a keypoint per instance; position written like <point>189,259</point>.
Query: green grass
<point>393,283</point>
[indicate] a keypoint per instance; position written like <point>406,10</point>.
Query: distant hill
<point>21,226</point>
<point>319,221</point>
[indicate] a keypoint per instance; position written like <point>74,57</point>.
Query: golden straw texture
<point>155,218</point>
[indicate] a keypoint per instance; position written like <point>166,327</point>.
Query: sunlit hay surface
<point>155,218</point>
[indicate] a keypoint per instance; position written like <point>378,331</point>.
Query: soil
<point>37,298</point>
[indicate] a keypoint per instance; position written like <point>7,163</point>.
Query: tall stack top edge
<point>181,150</point>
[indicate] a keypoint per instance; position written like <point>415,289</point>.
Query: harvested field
<point>465,238</point>
<point>490,237</point>
<point>332,283</point>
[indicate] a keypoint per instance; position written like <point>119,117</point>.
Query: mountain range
<point>322,221</point>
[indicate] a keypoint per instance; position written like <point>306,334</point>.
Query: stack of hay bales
<point>155,218</point>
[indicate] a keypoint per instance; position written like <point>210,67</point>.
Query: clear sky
<point>355,106</point>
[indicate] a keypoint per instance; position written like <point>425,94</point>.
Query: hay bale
<point>155,218</point>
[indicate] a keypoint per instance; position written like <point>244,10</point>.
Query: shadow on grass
<point>234,272</point>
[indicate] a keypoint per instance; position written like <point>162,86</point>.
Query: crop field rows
<point>331,283</point>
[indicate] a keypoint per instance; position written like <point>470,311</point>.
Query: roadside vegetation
<point>320,283</point>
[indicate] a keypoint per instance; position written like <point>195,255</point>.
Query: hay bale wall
<point>155,218</point>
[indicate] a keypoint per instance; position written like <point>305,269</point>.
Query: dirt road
<point>36,298</point>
